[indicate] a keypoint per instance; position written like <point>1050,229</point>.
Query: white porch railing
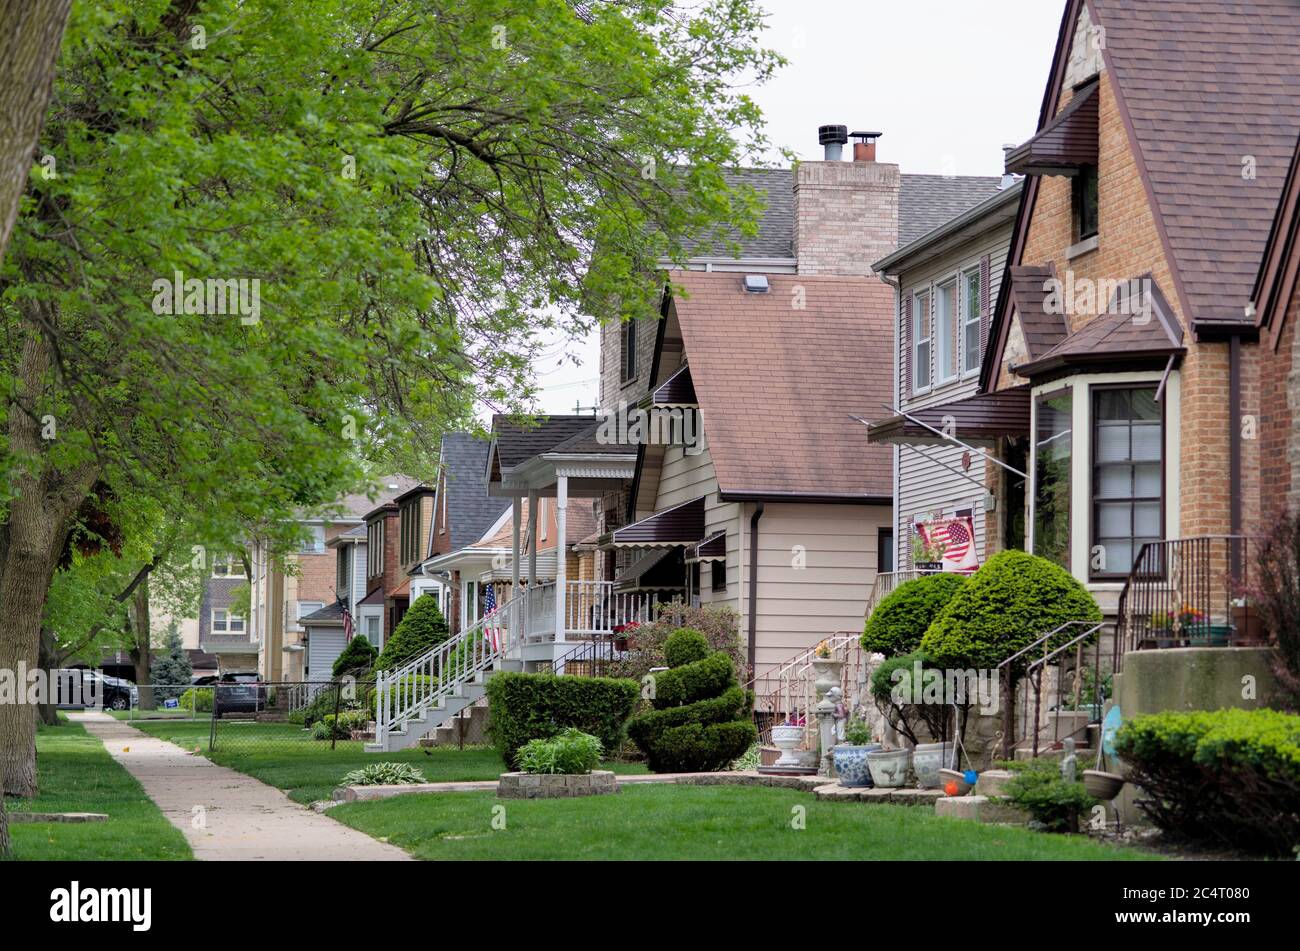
<point>590,608</point>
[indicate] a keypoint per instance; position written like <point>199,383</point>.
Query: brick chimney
<point>846,213</point>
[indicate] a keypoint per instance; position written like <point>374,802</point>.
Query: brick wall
<point>846,215</point>
<point>1279,447</point>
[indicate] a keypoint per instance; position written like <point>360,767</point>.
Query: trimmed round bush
<point>422,628</point>
<point>899,622</point>
<point>701,721</point>
<point>685,646</point>
<point>360,654</point>
<point>1004,607</point>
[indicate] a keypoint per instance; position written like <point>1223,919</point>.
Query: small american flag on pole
<point>956,538</point>
<point>347,623</point>
<point>489,609</point>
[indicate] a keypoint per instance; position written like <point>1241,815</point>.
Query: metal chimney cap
<point>832,135</point>
<point>866,136</point>
<point>756,284</point>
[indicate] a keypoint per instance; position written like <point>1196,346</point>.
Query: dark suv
<point>113,693</point>
<point>238,693</point>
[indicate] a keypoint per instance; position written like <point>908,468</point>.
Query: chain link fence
<point>266,717</point>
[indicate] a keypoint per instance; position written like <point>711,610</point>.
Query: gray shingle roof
<point>386,489</point>
<point>775,236</point>
<point>927,201</point>
<point>470,510</point>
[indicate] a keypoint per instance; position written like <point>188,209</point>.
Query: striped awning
<point>680,525</point>
<point>713,548</point>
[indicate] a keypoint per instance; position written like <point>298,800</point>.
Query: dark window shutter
<point>905,347</point>
<point>986,303</point>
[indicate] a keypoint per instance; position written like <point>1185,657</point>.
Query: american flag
<point>489,609</point>
<point>347,623</point>
<point>956,537</point>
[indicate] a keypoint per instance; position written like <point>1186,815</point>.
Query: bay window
<point>1127,476</point>
<point>1053,455</point>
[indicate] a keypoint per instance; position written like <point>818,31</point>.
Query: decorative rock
<point>556,785</point>
<point>981,809</point>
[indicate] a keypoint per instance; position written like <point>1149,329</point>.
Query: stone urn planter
<point>851,763</point>
<point>828,674</point>
<point>927,760</point>
<point>889,768</point>
<point>787,740</point>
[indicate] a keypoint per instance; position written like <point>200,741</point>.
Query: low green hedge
<point>898,622</point>
<point>524,707</point>
<point>1228,776</point>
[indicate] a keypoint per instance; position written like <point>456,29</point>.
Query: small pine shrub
<point>384,774</point>
<point>569,752</point>
<point>421,629</point>
<point>359,655</point>
<point>899,622</point>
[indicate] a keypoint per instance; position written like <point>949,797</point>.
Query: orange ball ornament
<point>951,788</point>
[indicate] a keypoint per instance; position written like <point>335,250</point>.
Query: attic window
<point>1085,203</point>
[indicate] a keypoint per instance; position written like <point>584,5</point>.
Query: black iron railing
<point>1189,592</point>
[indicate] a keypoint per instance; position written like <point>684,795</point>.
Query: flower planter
<point>851,764</point>
<point>1201,634</point>
<point>927,760</point>
<point>1105,786</point>
<point>787,740</point>
<point>889,768</point>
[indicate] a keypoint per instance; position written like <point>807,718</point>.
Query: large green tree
<point>417,186</point>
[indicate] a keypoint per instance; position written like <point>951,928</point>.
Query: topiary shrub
<point>524,707</point>
<point>1228,776</point>
<point>359,655</point>
<point>899,622</point>
<point>685,646</point>
<point>421,629</point>
<point>569,752</point>
<point>701,718</point>
<point>1006,606</point>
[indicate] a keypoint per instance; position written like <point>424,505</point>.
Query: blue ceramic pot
<point>851,764</point>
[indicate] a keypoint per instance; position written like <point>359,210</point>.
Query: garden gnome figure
<point>1069,762</point>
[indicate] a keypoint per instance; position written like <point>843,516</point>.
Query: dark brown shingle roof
<point>1029,291</point>
<point>779,386</point>
<point>1211,86</point>
<point>987,416</point>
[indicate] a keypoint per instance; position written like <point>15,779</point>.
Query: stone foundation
<point>599,782</point>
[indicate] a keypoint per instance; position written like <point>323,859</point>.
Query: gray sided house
<point>947,281</point>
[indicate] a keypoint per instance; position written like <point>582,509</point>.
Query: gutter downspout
<point>1234,453</point>
<point>753,587</point>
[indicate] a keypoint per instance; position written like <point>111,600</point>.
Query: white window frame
<point>303,613</point>
<point>918,341</point>
<point>234,569</point>
<point>228,622</point>
<point>967,319</point>
<point>947,337</point>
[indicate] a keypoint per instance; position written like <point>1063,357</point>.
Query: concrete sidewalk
<point>224,814</point>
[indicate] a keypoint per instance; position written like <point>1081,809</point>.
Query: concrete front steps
<point>463,695</point>
<point>469,727</point>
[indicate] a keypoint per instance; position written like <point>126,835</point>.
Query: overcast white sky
<point>947,82</point>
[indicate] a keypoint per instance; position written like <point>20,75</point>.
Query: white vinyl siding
<point>324,644</point>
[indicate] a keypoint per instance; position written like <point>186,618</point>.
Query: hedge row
<point>1228,776</point>
<point>524,707</point>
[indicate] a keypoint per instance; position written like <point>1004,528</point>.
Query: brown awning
<point>983,417</point>
<point>713,548</point>
<point>1126,335</point>
<point>680,525</point>
<point>1065,143</point>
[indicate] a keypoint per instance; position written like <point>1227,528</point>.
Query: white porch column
<point>532,537</point>
<point>561,502</point>
<point>514,546</point>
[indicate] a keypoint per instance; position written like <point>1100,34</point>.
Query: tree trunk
<point>4,830</point>
<point>141,653</point>
<point>48,712</point>
<point>31,32</point>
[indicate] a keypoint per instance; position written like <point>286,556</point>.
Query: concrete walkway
<point>226,815</point>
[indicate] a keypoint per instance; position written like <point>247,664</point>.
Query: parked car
<point>113,693</point>
<point>238,693</point>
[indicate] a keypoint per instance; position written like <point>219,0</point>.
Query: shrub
<point>330,727</point>
<point>524,707</point>
<point>384,774</point>
<point>701,718</point>
<point>685,646</point>
<point>1038,787</point>
<point>421,629</point>
<point>1228,776</point>
<point>720,627</point>
<point>1005,606</point>
<point>1277,596</point>
<point>904,710</point>
<point>359,655</point>
<point>897,624</point>
<point>324,703</point>
<point>197,699</point>
<point>570,751</point>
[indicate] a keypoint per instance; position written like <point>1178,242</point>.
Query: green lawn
<point>656,822</point>
<point>308,770</point>
<point>78,775</point>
